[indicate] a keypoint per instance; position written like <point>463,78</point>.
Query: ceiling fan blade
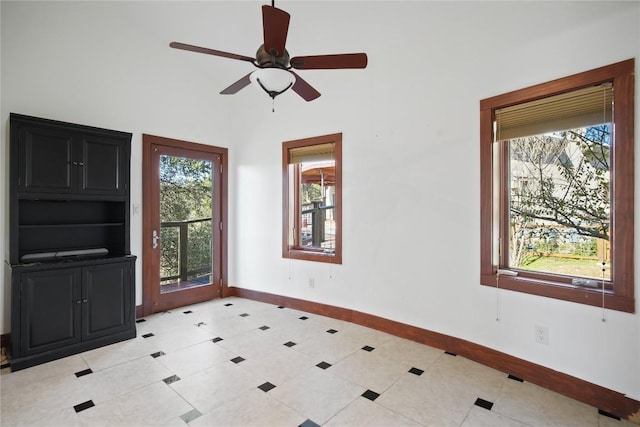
<point>330,62</point>
<point>275,24</point>
<point>198,49</point>
<point>237,86</point>
<point>304,89</point>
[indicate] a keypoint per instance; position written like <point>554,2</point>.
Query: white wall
<point>108,64</point>
<point>410,142</point>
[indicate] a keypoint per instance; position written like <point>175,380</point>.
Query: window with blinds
<point>557,174</point>
<point>312,199</point>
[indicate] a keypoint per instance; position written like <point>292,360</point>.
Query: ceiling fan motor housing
<point>265,60</point>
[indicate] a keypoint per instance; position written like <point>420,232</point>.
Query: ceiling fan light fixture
<point>273,81</point>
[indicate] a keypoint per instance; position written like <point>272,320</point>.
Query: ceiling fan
<point>275,74</point>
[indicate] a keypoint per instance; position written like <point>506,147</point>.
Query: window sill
<point>561,291</point>
<point>312,255</point>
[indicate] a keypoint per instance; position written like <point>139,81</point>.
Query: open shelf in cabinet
<point>52,226</point>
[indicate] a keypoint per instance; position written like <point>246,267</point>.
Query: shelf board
<point>100,224</point>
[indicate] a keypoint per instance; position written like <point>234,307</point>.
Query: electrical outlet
<point>312,282</point>
<point>541,335</point>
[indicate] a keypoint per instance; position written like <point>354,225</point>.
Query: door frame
<point>147,230</point>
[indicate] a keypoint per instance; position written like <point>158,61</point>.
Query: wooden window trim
<point>620,294</point>
<point>294,252</point>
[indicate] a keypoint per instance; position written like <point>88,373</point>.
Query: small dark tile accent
<point>416,371</point>
<point>449,353</point>
<point>368,348</point>
<point>323,365</point>
<point>484,404</point>
<point>217,339</point>
<point>290,344</point>
<point>172,379</point>
<point>281,306</point>
<point>158,354</point>
<point>84,405</point>
<point>228,304</point>
<point>244,314</point>
<point>332,331</point>
<point>309,423</point>
<point>188,312</point>
<point>264,328</point>
<point>371,395</point>
<point>6,365</point>
<point>304,318</point>
<point>190,416</point>
<point>148,335</point>
<point>608,414</point>
<point>238,359</point>
<point>141,320</point>
<point>266,386</point>
<point>83,373</point>
<point>513,377</point>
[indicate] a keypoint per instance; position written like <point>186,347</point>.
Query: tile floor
<point>236,362</point>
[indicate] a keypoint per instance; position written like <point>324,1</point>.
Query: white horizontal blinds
<point>312,153</point>
<point>584,107</point>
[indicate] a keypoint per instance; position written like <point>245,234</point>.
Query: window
<point>557,185</point>
<point>312,199</point>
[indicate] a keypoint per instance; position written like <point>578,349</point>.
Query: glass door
<point>184,215</point>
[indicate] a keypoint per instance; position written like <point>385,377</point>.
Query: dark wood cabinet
<point>77,161</point>
<point>45,160</point>
<point>108,305</point>
<point>65,310</point>
<point>72,274</point>
<point>101,166</point>
<point>49,312</point>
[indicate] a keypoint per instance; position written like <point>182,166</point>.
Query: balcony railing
<point>181,251</point>
<point>318,226</point>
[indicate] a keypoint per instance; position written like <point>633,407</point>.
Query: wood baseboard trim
<point>602,398</point>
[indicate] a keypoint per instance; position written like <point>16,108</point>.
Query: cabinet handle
<point>74,163</point>
<point>80,163</point>
<point>78,302</point>
<point>155,239</point>
<point>84,300</point>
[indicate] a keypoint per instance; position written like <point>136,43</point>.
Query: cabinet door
<point>108,291</point>
<point>46,161</point>
<point>102,166</point>
<point>50,309</point>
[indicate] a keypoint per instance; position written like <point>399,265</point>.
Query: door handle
<point>155,239</point>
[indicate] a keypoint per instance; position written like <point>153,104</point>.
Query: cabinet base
<point>20,363</point>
